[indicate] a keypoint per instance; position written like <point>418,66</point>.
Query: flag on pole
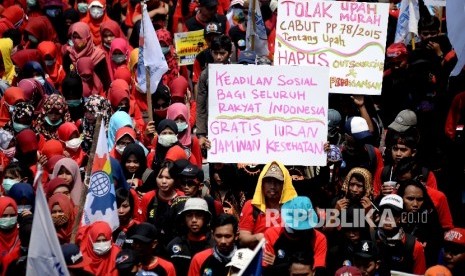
<point>407,23</point>
<point>44,256</point>
<point>150,55</point>
<point>254,267</point>
<point>256,33</point>
<point>101,199</point>
<point>455,10</point>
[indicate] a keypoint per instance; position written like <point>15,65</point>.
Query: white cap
<point>392,200</point>
<point>195,203</point>
<point>273,5</point>
<point>242,257</point>
<point>96,3</point>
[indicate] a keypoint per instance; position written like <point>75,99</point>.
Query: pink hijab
<point>173,112</point>
<point>93,85</point>
<point>122,45</point>
<point>95,53</point>
<point>73,168</point>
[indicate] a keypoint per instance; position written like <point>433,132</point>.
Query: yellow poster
<point>188,45</point>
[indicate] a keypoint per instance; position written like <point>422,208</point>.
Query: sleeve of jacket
<point>202,104</point>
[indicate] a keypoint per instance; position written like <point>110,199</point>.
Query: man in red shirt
<point>274,188</point>
<point>297,236</point>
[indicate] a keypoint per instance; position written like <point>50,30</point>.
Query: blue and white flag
<point>150,55</point>
<point>44,256</point>
<point>407,23</point>
<point>254,267</point>
<point>101,199</point>
<point>455,11</point>
<point>257,33</point>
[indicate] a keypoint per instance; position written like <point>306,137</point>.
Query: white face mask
<point>167,140</point>
<point>120,148</point>
<point>96,12</point>
<point>8,223</point>
<point>73,144</point>
<point>40,79</point>
<point>8,183</point>
<point>100,248</point>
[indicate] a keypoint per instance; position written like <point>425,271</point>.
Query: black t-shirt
<point>237,36</point>
<point>192,24</point>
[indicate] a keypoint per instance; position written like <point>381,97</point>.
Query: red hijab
<point>21,57</point>
<point>12,96</point>
<point>119,90</point>
<point>34,92</point>
<point>114,28</point>
<point>89,50</point>
<point>55,72</point>
<point>52,147</point>
<point>8,239</point>
<point>41,28</point>
<point>53,184</point>
<point>119,134</point>
<point>92,85</point>
<point>64,133</point>
<point>94,25</point>
<point>121,45</point>
<point>99,264</point>
<point>67,206</point>
<point>165,37</point>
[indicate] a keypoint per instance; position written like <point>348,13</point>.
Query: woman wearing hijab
<point>72,91</point>
<point>7,69</point>
<point>179,94</point>
<point>9,239</point>
<point>161,99</point>
<point>120,100</point>
<point>118,120</point>
<point>39,29</point>
<point>167,47</point>
<point>12,96</point>
<point>33,69</point>
<point>95,17</point>
<point>178,113</point>
<point>91,83</point>
<point>97,246</point>
<point>165,140</point>
<point>127,204</point>
<point>135,169</point>
<point>63,215</point>
<point>7,149</point>
<point>21,119</point>
<point>34,93</point>
<point>51,56</point>
<point>83,46</point>
<point>95,104</point>
<point>124,136</point>
<point>109,30</point>
<point>54,113</point>
<point>69,136</point>
<point>24,196</point>
<point>119,54</point>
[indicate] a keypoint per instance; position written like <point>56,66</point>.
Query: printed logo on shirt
<point>176,249</point>
<point>207,272</point>
<point>281,254</point>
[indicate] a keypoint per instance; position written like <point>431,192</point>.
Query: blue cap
<point>298,214</point>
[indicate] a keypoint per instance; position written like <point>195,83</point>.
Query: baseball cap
<point>404,120</point>
<point>438,270</point>
<point>237,2</point>
<point>397,51</point>
<point>392,201</point>
<point>126,259</point>
<point>73,256</point>
<point>366,249</point>
<point>195,204</point>
<point>298,214</point>
<point>247,57</point>
<point>241,258</point>
<point>145,232</point>
<point>175,153</point>
<point>96,4</point>
<point>275,171</point>
<point>208,3</point>
<point>357,127</point>
<point>213,28</point>
<point>456,236</point>
<point>334,118</point>
<point>348,271</point>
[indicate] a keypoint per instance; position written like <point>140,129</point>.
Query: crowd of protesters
<point>391,197</point>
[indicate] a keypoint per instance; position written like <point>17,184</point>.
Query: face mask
<point>49,62</point>
<point>10,153</point>
<point>120,148</point>
<point>100,248</point>
<point>118,59</point>
<point>7,223</point>
<point>11,109</point>
<point>124,108</point>
<point>52,12</point>
<point>73,103</point>
<point>73,144</point>
<point>96,12</point>
<point>22,208</point>
<point>82,7</point>
<point>40,79</point>
<point>18,127</point>
<point>8,183</point>
<point>167,140</point>
<point>31,3</point>
<point>165,50</point>
<point>32,39</point>
<point>47,119</point>
<point>181,126</point>
<point>70,42</point>
<point>59,220</point>
<point>161,113</point>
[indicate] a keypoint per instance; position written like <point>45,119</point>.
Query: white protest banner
<point>436,3</point>
<point>347,37</point>
<point>259,113</point>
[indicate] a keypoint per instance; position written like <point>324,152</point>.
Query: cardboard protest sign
<point>347,37</point>
<point>278,114</point>
<point>188,45</point>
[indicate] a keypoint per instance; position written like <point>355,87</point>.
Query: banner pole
<point>85,187</point>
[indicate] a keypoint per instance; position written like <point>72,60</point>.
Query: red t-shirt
<point>161,266</point>
<point>442,207</point>
<point>198,260</point>
<point>259,225</point>
<point>419,266</point>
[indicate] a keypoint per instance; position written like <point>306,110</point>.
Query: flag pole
<point>254,27</point>
<point>85,187</point>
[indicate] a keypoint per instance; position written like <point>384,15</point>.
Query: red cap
<point>348,271</point>
<point>175,153</point>
<point>397,51</point>
<point>456,235</point>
